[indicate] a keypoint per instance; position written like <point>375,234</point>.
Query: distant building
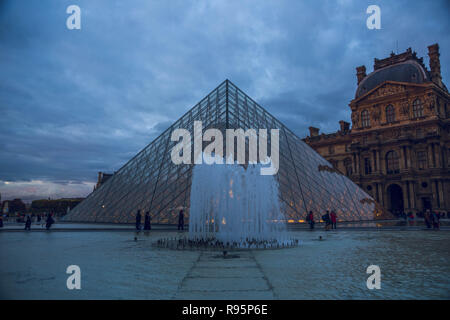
<point>102,178</point>
<point>13,206</point>
<point>398,147</point>
<point>58,207</point>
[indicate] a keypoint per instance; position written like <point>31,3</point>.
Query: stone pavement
<point>214,277</point>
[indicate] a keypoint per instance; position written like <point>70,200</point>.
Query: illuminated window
<point>365,119</point>
<point>390,114</point>
<point>392,163</point>
<point>417,108</point>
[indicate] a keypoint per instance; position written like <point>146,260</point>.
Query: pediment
<point>387,88</point>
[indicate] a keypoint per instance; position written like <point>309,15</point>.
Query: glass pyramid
<point>150,181</point>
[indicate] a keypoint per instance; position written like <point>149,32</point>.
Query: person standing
<point>147,225</point>
<point>326,219</point>
<point>427,219</point>
<point>28,222</point>
<point>181,220</point>
<point>435,220</point>
<point>333,219</point>
<point>310,219</point>
<point>49,221</point>
<point>138,220</point>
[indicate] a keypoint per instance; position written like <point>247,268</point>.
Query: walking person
<point>138,220</point>
<point>410,218</point>
<point>427,219</point>
<point>310,219</point>
<point>326,219</point>
<point>147,225</point>
<point>181,220</point>
<point>333,217</point>
<point>28,222</point>
<point>435,220</point>
<point>49,221</point>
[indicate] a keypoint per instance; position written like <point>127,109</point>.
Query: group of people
<point>330,219</point>
<point>28,220</point>
<point>48,222</point>
<point>148,218</point>
<point>432,219</point>
<point>147,221</point>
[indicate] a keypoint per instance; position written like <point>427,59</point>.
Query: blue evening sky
<point>75,102</point>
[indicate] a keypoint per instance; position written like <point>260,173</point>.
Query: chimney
<point>345,126</point>
<point>99,180</point>
<point>360,73</point>
<point>313,132</point>
<point>435,64</point>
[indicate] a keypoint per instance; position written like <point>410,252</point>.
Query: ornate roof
<point>407,71</point>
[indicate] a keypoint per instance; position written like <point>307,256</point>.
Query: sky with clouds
<point>75,102</point>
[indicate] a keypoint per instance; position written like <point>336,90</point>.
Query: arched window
<point>417,108</point>
<point>390,114</point>
<point>392,163</point>
<point>348,167</point>
<point>365,119</point>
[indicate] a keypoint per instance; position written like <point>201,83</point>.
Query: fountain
<point>233,207</point>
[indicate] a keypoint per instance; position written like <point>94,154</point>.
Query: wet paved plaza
<point>414,263</point>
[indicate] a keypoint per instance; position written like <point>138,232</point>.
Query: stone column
<point>380,194</point>
<point>405,196</point>
<point>430,156</point>
<point>383,165</point>
<point>437,153</point>
<point>408,156</point>
<point>374,161</point>
<point>380,167</point>
<point>435,196</point>
<point>412,195</point>
<point>441,194</point>
<point>402,158</point>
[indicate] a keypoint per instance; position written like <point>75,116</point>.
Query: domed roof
<point>408,71</point>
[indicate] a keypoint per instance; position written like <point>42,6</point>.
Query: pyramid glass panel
<point>150,181</point>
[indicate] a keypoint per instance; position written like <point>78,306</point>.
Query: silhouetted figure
<point>333,218</point>
<point>147,225</point>
<point>39,218</point>
<point>326,219</point>
<point>435,220</point>
<point>28,223</point>
<point>181,220</point>
<point>138,220</point>
<point>49,221</point>
<point>1,221</point>
<point>428,219</point>
<point>310,219</point>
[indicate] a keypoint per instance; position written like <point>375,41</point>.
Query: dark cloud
<point>76,102</point>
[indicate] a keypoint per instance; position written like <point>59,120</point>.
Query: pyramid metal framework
<point>150,181</point>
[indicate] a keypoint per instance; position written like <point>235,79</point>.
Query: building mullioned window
<point>392,162</point>
<point>390,114</point>
<point>417,108</point>
<point>365,119</point>
<point>422,161</point>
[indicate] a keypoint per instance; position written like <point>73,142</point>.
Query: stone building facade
<point>398,146</point>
